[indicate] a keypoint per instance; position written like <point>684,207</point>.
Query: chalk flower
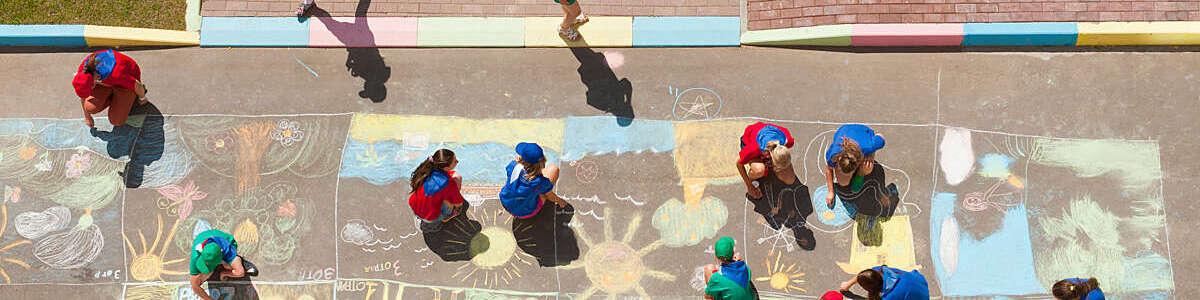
<point>287,132</point>
<point>79,163</point>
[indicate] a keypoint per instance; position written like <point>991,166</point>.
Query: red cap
<point>83,84</point>
<point>831,295</point>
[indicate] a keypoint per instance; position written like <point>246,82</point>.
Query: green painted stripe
<point>470,32</point>
<point>826,35</point>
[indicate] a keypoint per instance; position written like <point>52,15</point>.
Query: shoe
<point>804,238</point>
<point>302,9</point>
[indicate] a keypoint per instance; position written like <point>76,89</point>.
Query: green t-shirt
<point>721,288</point>
<point>228,252</point>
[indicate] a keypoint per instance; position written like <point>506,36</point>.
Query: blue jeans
<point>446,212</point>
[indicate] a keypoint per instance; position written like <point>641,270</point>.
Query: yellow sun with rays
<point>613,266</point>
<point>148,265</point>
<point>3,227</point>
<point>781,278</point>
<point>495,260</point>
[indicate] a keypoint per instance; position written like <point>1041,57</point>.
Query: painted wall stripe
<point>253,32</point>
<point>470,32</point>
<point>1139,33</point>
<point>42,35</point>
<point>826,35</point>
<point>686,31</point>
<point>906,34</point>
<point>107,36</point>
<point>598,32</point>
<point>1019,34</point>
<point>362,32</point>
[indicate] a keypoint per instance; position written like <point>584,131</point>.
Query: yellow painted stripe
<point>125,36</point>
<point>1139,33</point>
<point>598,32</point>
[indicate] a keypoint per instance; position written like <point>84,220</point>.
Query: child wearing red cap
<point>108,80</point>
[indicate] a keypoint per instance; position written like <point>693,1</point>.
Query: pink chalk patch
<point>614,59</point>
<point>906,34</point>
<point>362,32</point>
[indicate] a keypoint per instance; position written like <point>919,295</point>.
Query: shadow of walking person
<point>142,138</point>
<point>604,91</point>
<point>363,59</point>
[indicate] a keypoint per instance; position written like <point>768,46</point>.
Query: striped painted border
<point>982,34</point>
<point>467,32</point>
<point>600,32</point>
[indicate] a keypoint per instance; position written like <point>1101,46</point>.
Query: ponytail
<point>1067,289</point>
<point>871,281</point>
<point>439,160</point>
<point>850,158</point>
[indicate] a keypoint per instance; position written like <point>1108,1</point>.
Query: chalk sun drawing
<point>779,238</point>
<point>782,278</point>
<point>613,266</point>
<point>148,265</point>
<point>496,261</point>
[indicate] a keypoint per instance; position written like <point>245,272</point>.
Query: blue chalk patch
<point>253,32</point>
<point>686,31</point>
<point>600,135</point>
<point>841,213</point>
<point>1020,34</point>
<point>42,36</point>
<point>999,264</point>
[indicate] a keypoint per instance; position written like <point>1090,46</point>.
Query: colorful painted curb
<point>467,32</point>
<point>982,34</point>
<point>90,35</point>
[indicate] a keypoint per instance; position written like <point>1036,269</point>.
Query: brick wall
<point>772,14</point>
<point>492,8</point>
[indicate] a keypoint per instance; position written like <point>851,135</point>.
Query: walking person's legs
<point>572,15</point>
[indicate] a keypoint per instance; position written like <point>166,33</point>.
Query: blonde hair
<point>532,170</point>
<point>781,156</point>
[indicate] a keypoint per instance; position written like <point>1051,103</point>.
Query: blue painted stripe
<point>686,31</point>
<point>1020,34</point>
<point>42,35</point>
<point>253,32</point>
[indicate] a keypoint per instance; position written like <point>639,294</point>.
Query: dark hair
<point>89,67</point>
<point>1066,289</point>
<point>440,159</point>
<point>872,281</point>
<point>851,156</point>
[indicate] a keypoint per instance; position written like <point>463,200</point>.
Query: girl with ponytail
<point>1077,289</point>
<point>852,175</point>
<point>886,283</point>
<point>436,195</point>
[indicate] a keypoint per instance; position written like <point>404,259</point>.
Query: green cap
<point>210,258</point>
<point>724,247</point>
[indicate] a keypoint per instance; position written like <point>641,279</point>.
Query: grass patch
<point>160,14</point>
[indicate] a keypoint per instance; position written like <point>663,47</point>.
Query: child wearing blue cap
<point>1077,289</point>
<point>531,185</point>
<point>213,249</point>
<point>886,283</point>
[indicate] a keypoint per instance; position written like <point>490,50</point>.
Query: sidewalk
<point>474,8</point>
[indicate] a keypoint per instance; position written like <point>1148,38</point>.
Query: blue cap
<point>770,133</point>
<point>530,152</point>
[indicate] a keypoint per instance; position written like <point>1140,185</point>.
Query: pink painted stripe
<point>362,32</point>
<point>906,34</point>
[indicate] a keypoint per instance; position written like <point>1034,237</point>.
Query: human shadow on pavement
<point>142,138</point>
<point>547,237</point>
<point>241,288</point>
<point>604,91</point>
<point>785,205</point>
<point>363,59</point>
<point>457,239</point>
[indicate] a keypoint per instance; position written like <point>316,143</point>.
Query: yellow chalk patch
<point>896,250</point>
<point>707,149</point>
<point>373,128</point>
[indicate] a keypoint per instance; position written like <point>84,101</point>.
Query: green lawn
<point>161,14</point>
